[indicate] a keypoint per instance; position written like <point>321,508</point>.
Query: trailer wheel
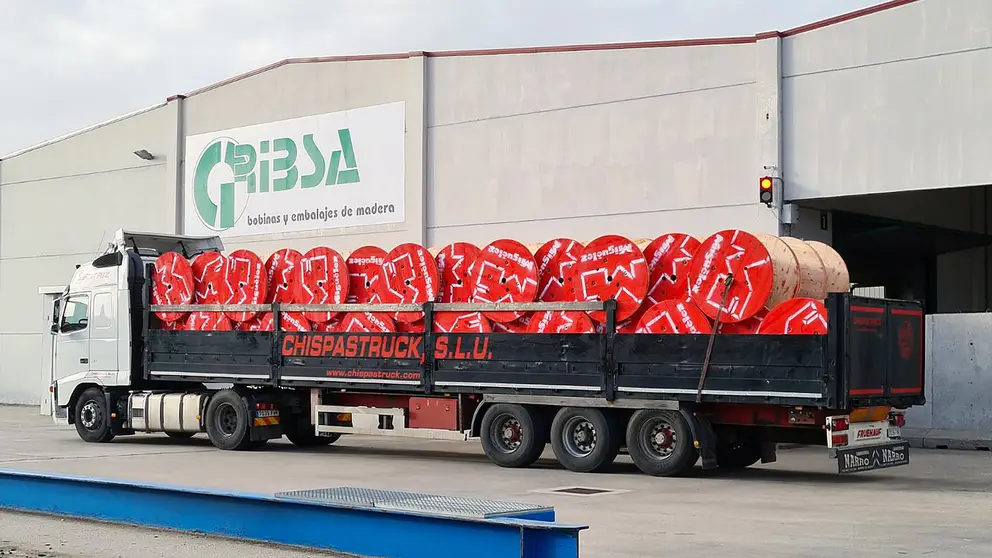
<point>92,417</point>
<point>227,421</point>
<point>660,443</point>
<point>513,435</point>
<point>738,455</point>
<point>585,440</point>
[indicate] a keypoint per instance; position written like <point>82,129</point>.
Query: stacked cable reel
<point>732,281</point>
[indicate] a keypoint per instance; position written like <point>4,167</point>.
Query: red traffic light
<point>765,195</point>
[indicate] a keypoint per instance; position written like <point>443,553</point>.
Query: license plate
<point>857,460</point>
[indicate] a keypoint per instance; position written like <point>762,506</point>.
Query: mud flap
<point>703,437</point>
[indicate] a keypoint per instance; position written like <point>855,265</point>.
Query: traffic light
<point>766,193</point>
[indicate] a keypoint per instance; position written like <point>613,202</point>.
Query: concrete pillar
<point>174,159</point>
<point>768,112</point>
<point>416,148</point>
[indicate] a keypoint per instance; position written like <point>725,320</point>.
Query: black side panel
<point>519,363</point>
<point>884,352</point>
<point>211,356</point>
<point>743,368</point>
<point>352,360</point>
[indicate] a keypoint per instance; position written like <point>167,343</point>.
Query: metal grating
<point>448,506</point>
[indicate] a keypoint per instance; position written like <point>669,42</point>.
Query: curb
<point>948,439</point>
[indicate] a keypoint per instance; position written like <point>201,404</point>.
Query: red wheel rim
<point>172,283</point>
<point>284,273</point>
<point>674,316</point>
<point>455,322</point>
<point>797,316</point>
<point>367,277</point>
<point>454,265</point>
<point>612,267</point>
<point>208,321</point>
<point>561,322</point>
<point>210,280</point>
<point>737,252</point>
<point>413,278</point>
<point>246,282</point>
<point>325,281</point>
<point>505,271</point>
<point>555,259</point>
<point>358,322</point>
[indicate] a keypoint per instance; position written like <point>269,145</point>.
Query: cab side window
<point>75,317</point>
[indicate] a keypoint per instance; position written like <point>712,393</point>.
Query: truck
<point>667,401</point>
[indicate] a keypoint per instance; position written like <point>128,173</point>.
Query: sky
<point>68,64</point>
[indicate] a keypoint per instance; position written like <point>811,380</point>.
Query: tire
<point>585,440</point>
<point>180,435</point>
<point>738,455</point>
<point>513,435</point>
<point>660,443</point>
<point>92,418</point>
<point>227,421</point>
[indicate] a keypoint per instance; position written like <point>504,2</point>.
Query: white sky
<point>67,64</point>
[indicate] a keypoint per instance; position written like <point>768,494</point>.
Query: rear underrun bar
<point>416,526</point>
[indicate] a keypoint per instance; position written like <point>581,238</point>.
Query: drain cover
<point>581,491</point>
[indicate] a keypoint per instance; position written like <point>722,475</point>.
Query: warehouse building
<point>874,126</point>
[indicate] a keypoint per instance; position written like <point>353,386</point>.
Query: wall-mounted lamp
<point>144,154</point>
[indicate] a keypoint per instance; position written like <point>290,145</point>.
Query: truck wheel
<point>513,435</point>
<point>227,421</point>
<point>585,440</point>
<point>660,443</point>
<point>92,417</point>
<point>181,435</point>
<point>738,455</point>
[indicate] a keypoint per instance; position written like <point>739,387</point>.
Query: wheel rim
<point>658,439</point>
<point>91,416</point>
<point>579,437</point>
<point>227,419</point>
<point>506,433</point>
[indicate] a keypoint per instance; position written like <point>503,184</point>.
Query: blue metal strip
<point>368,532</point>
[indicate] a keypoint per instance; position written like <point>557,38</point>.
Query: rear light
<point>836,424</point>
<point>837,428</point>
<point>898,419</point>
<point>265,406</point>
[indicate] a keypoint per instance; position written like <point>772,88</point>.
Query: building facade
<point>872,119</point>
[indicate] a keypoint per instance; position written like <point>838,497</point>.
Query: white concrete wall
<point>636,142</point>
<point>59,206</point>
<point>891,101</point>
<point>318,88</point>
<point>958,374</point>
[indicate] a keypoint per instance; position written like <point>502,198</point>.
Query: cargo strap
<point>727,282</point>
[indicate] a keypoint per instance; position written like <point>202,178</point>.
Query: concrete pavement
<point>939,504</point>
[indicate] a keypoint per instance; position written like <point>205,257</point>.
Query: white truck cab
<point>98,316</point>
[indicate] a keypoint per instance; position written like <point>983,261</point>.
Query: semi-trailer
<point>670,401</point>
